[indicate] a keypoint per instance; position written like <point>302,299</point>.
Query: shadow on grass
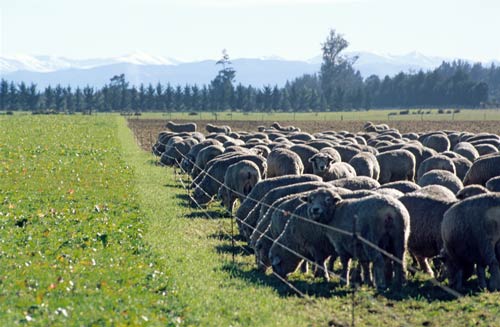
<point>213,214</point>
<point>314,287</point>
<point>428,291</point>
<point>415,289</point>
<point>185,197</point>
<point>173,185</point>
<point>243,251</point>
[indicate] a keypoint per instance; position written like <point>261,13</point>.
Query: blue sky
<point>293,29</point>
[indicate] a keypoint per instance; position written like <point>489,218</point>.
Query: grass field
<point>94,233</point>
<point>373,115</point>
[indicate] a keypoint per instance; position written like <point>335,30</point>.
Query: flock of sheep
<point>302,196</point>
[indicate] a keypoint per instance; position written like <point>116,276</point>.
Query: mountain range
<point>145,68</point>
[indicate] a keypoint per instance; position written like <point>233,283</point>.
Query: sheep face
<point>187,163</point>
<point>321,162</point>
<point>225,196</point>
<point>283,263</point>
<point>200,196</point>
<point>321,205</point>
<point>262,260</point>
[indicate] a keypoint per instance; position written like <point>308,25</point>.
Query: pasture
<point>93,232</point>
<point>426,114</point>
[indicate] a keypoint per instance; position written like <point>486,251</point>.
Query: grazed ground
<point>146,130</point>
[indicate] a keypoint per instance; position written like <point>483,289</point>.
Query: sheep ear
<point>276,261</point>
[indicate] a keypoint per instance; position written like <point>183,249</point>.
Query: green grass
<point>72,247</point>
<point>145,255</point>
<point>375,115</point>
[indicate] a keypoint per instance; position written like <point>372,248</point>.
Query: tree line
<point>338,86</point>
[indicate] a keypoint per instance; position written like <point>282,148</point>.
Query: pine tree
<point>78,100</point>
<point>68,95</point>
<point>4,95</point>
<point>33,98</point>
<point>88,98</point>
<point>13,98</point>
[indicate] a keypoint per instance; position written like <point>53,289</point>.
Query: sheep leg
<point>304,267</point>
<point>379,272</point>
<point>414,263</point>
<point>344,260</point>
<point>331,261</point>
<point>481,276</point>
<point>321,268</point>
<point>456,275</point>
<point>388,269</point>
<point>494,284</point>
<point>367,277</point>
<point>424,265</point>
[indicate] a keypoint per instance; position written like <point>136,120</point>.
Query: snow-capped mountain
<point>46,64</point>
<point>140,67</point>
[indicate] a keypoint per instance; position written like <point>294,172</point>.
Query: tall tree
<point>333,67</point>
<point>222,84</point>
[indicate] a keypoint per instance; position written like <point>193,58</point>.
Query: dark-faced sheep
<point>471,235</point>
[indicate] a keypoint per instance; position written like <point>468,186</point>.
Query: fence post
<point>353,284</point>
<point>232,238</point>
